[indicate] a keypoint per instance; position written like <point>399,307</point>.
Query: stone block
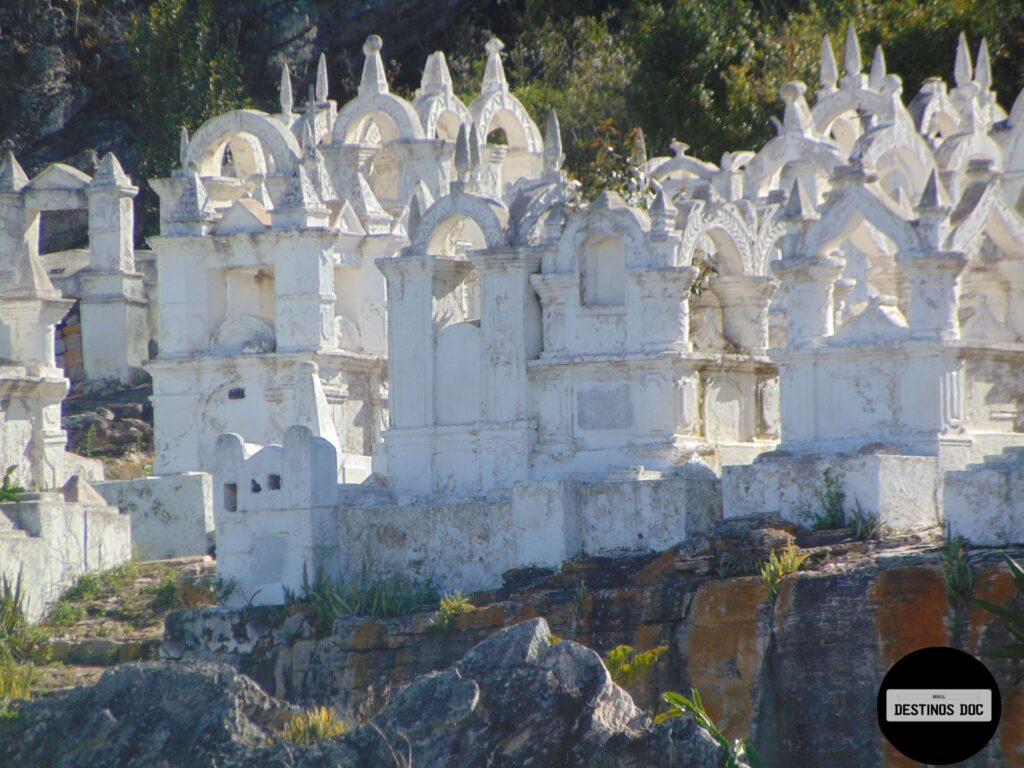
<point>172,515</point>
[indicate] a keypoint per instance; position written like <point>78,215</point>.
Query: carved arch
<point>489,215</point>
<point>274,140</point>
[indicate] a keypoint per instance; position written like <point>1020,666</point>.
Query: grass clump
<point>15,685</point>
<point>737,752</point>
<point>392,595</point>
<point>452,606</point>
<point>780,565</point>
<point>313,725</point>
<point>1012,620</point>
<point>626,666</point>
<point>19,641</point>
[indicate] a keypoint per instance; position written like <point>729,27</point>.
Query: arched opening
<point>447,126</point>
<point>602,272</point>
<point>455,236</point>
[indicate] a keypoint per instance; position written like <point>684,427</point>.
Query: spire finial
<point>308,140</point>
<point>829,70</point>
<point>12,176</point>
<point>553,156</point>
<point>436,77</point>
<point>877,75</point>
<point>797,115</point>
<point>934,196</point>
<point>285,93</point>
<point>494,74</point>
<point>799,206</point>
<point>851,55</point>
<point>983,68</point>
<point>963,69</point>
<point>110,173</point>
<point>373,80</point>
<point>183,143</point>
<point>321,78</point>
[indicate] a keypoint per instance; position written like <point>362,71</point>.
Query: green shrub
<point>831,497</point>
<point>452,606</point>
<point>1011,619</point>
<point>387,596</point>
<point>8,490</point>
<point>626,666</point>
<point>735,751</point>
<point>779,566</point>
<point>313,725</point>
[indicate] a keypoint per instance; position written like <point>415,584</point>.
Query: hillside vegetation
<point>87,76</point>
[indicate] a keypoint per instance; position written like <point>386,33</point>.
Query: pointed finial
<point>321,78</point>
<point>934,196</point>
<point>851,55</point>
<point>462,160</point>
<point>679,148</point>
<point>829,70</point>
<point>373,80</point>
<point>963,70</point>
<point>12,176</point>
<point>797,115</point>
<point>983,68</point>
<point>110,173</point>
<point>799,206</point>
<point>436,77</point>
<point>286,90</point>
<point>877,76</point>
<point>494,74</point>
<point>662,212</point>
<point>308,140</point>
<point>553,156</point>
<point>183,147</point>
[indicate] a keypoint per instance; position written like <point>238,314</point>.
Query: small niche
<point>274,482</point>
<point>236,393</point>
<point>231,497</point>
<point>254,486</point>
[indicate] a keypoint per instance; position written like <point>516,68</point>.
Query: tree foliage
<point>186,67</point>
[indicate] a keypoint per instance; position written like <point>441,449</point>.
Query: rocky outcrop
<point>798,674</point>
<point>513,700</point>
<point>144,716</point>
<point>519,698</point>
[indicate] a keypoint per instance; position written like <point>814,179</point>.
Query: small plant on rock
<point>737,752</point>
<point>864,525</point>
<point>779,566</point>
<point>452,606</point>
<point>626,666</point>
<point>9,491</point>
<point>831,497</point>
<point>959,581</point>
<point>313,725</point>
<point>579,599</point>
<point>1012,620</point>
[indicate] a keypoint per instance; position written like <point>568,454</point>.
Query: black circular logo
<point>939,706</point>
